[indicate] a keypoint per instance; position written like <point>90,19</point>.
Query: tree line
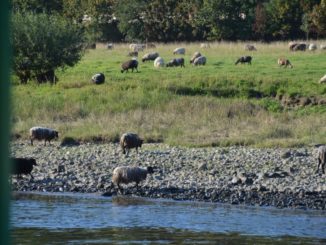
<point>188,20</point>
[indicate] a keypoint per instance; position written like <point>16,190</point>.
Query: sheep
<point>133,54</point>
<point>110,46</point>
<point>323,79</point>
<point>194,56</point>
<point>42,133</point>
<point>299,47</point>
<point>291,45</point>
<point>130,64</point>
<point>321,158</point>
<point>322,46</point>
<point>126,175</point>
<point>150,56</point>
<point>98,78</point>
<point>130,140</point>
<point>244,59</point>
<point>158,62</point>
<point>205,45</point>
<point>179,51</point>
<point>284,62</point>
<point>176,62</point>
<point>250,47</point>
<point>22,166</point>
<point>199,61</point>
<point>136,47</point>
<point>312,47</point>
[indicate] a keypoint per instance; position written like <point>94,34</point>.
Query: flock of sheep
<point>197,58</point>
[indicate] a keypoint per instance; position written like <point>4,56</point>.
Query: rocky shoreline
<point>237,175</point>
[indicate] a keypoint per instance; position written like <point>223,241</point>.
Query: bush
<point>42,43</point>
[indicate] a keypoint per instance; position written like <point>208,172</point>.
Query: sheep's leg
<point>137,150</point>
<point>44,142</point>
<point>31,141</point>
<point>31,176</point>
<point>323,167</point>
<point>319,162</point>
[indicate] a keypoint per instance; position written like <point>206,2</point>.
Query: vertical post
<point>4,121</point>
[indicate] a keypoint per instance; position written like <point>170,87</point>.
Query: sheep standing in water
<point>284,62</point>
<point>130,140</point>
<point>321,158</point>
<point>41,133</point>
<point>244,59</point>
<point>126,175</point>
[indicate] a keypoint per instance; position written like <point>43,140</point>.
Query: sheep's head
<point>140,142</point>
<point>150,170</point>
<point>32,161</point>
<point>56,134</point>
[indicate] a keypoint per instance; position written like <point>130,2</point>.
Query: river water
<point>92,219</point>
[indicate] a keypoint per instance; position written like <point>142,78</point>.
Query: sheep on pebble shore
<point>126,175</point>
<point>41,133</point>
<point>130,140</point>
<point>130,64</point>
<point>194,56</point>
<point>179,51</point>
<point>321,158</point>
<point>22,166</point>
<point>150,56</point>
<point>199,61</point>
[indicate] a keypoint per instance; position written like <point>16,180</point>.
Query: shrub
<point>42,43</point>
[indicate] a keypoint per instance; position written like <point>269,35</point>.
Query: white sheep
<point>322,46</point>
<point>135,47</point>
<point>41,133</point>
<point>323,79</point>
<point>158,62</point>
<point>126,175</point>
<point>179,51</point>
<point>321,158</point>
<point>312,47</point>
<point>194,56</point>
<point>205,45</point>
<point>200,61</point>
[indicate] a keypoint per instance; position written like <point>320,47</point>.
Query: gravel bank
<point>237,175</point>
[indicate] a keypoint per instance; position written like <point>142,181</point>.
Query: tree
<point>42,43</point>
<point>319,17</point>
<point>37,6</point>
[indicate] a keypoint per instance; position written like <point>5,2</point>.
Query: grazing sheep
<point>205,45</point>
<point>130,140</point>
<point>250,47</point>
<point>323,79</point>
<point>110,46</point>
<point>41,133</point>
<point>200,61</point>
<point>322,46</point>
<point>130,64</point>
<point>291,45</point>
<point>300,47</point>
<point>312,47</point>
<point>179,51</point>
<point>284,62</point>
<point>244,59</point>
<point>158,62</point>
<point>136,47</point>
<point>126,175</point>
<point>133,54</point>
<point>98,78</point>
<point>176,62</point>
<point>321,158</point>
<point>150,56</point>
<point>22,166</point>
<point>194,56</point>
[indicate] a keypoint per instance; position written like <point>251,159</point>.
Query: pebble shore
<point>237,175</point>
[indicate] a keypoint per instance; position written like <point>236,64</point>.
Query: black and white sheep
<point>150,56</point>
<point>98,78</point>
<point>126,175</point>
<point>176,62</point>
<point>284,62</point>
<point>299,47</point>
<point>130,64</point>
<point>179,51</point>
<point>244,59</point>
<point>321,158</point>
<point>22,166</point>
<point>194,56</point>
<point>200,61</point>
<point>130,140</point>
<point>42,133</point>
<point>110,46</point>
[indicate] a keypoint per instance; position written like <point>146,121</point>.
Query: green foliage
<point>42,43</point>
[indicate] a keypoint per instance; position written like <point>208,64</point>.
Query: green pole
<point>4,121</point>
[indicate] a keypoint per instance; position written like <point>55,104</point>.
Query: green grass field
<point>210,105</point>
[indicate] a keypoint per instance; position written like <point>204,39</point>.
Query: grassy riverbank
<point>196,106</point>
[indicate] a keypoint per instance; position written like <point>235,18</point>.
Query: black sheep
<point>244,59</point>
<point>23,166</point>
<point>130,64</point>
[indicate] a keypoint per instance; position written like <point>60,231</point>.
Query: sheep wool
<point>126,175</point>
